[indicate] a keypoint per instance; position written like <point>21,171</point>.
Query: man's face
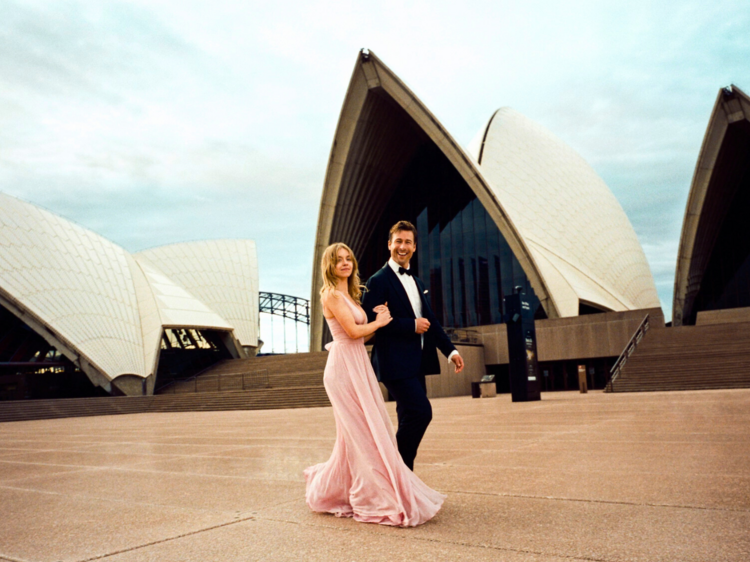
<point>402,247</point>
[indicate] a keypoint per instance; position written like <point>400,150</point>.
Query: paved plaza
<point>651,476</point>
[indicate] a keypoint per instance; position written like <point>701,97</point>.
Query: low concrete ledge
<point>580,337</point>
<point>727,316</point>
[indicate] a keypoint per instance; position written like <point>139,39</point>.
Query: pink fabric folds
<point>365,477</point>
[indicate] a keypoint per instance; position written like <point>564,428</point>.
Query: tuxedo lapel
<point>398,289</point>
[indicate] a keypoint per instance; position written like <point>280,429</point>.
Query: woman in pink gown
<point>365,477</point>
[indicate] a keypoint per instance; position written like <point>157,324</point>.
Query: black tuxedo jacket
<point>397,352</point>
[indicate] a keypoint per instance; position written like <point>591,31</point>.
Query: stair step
<point>276,371</point>
<point>689,358</point>
<point>289,397</point>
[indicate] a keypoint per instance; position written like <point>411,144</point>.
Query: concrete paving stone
<point>563,528</point>
<point>280,541</point>
<point>173,489</point>
<point>725,464</point>
<point>267,463</point>
<point>40,527</point>
<point>581,476</point>
<point>14,471</point>
<point>252,441</point>
<point>469,444</point>
<point>118,448</point>
<point>159,449</point>
<point>12,453</point>
<point>705,491</point>
<point>41,445</point>
<point>448,431</point>
<point>82,458</point>
<point>646,446</point>
<point>317,451</point>
<point>439,455</point>
<point>600,436</point>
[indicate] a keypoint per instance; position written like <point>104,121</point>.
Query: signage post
<point>525,385</point>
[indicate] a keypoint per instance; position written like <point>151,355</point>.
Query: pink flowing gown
<point>365,477</point>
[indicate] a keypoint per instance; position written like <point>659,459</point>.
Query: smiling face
<point>402,247</point>
<point>344,264</point>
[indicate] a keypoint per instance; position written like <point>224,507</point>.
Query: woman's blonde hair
<point>328,269</point>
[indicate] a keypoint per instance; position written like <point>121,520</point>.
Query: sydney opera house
<point>77,309</point>
<point>518,207</point>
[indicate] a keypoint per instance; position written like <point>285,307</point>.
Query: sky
<point>156,121</point>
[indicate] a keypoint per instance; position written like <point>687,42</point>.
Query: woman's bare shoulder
<point>330,299</point>
<point>330,296</point>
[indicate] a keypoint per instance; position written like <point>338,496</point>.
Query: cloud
<point>153,121</point>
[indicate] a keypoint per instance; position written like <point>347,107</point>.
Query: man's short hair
<point>403,225</point>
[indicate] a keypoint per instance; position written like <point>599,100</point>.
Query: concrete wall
<point>580,337</point>
<point>448,383</point>
<point>726,316</point>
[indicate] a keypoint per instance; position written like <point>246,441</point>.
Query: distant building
<point>713,263</point>
<point>518,208</point>
<point>72,302</point>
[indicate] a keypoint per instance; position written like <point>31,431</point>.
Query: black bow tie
<point>401,271</point>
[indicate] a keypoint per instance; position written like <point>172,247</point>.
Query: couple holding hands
<point>369,475</point>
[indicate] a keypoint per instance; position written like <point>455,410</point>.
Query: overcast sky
<point>153,122</point>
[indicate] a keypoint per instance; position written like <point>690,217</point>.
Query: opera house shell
<point>713,262</point>
<point>110,312</point>
<point>520,208</point>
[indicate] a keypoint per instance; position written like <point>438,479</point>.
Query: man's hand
<point>422,325</point>
<point>458,362</point>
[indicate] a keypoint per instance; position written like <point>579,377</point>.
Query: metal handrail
<point>627,352</point>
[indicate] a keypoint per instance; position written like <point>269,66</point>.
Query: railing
<point>626,353</point>
<point>213,383</point>
<point>461,335</point>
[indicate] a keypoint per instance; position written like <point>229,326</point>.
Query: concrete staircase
<point>689,358</point>
<point>273,371</point>
<point>291,381</point>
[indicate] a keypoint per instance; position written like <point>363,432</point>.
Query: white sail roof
<point>576,230</point>
<point>222,273</point>
<point>74,282</point>
<point>106,309</point>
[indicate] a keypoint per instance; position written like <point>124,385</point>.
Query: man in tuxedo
<point>406,349</point>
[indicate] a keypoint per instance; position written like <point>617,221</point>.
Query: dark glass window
<point>461,256</point>
<point>506,267</point>
<point>436,276</point>
<point>446,255</point>
<point>470,264</point>
<point>482,296</point>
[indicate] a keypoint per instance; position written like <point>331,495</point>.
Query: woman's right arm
<point>343,315</point>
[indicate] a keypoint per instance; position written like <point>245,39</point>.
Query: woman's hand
<point>380,308</point>
<point>384,316</point>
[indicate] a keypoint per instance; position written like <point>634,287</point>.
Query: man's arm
<point>443,342</point>
<point>376,295</point>
<point>441,339</point>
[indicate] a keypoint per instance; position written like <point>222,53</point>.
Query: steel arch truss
<point>286,306</point>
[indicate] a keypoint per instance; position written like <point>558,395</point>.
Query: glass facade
<point>461,256</point>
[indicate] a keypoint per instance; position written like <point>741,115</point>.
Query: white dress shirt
<point>412,291</point>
